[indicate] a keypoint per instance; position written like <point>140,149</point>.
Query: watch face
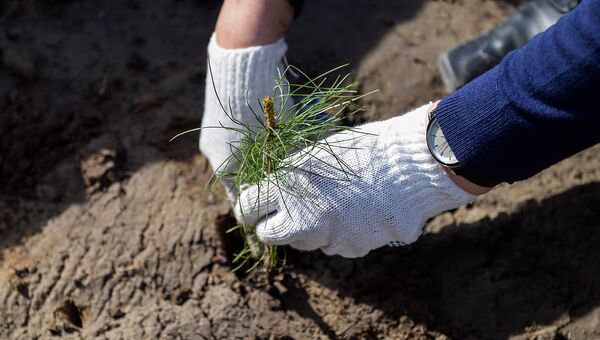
<point>438,145</point>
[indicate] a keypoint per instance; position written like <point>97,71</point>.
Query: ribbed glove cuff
<point>240,77</point>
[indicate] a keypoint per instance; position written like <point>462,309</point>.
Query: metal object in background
<point>467,61</point>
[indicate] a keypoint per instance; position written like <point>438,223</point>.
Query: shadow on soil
<point>80,77</point>
<point>334,32</point>
<point>91,91</point>
<point>489,279</point>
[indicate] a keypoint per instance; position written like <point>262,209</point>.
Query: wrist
<point>460,181</point>
<point>252,23</point>
<point>465,184</point>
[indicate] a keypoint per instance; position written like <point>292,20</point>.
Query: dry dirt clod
<point>116,313</point>
<point>180,295</point>
<point>20,275</point>
<point>68,318</point>
<point>99,162</point>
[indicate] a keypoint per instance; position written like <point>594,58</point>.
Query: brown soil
<point>106,232</point>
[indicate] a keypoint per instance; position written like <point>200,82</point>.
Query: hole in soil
<point>70,312</point>
<point>231,242</point>
<point>116,313</point>
<point>180,296</point>
<point>23,289</point>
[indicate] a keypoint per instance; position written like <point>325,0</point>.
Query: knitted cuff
<point>241,75</point>
<point>236,80</point>
<point>472,123</point>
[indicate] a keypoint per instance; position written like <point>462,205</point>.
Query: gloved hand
<point>395,187</point>
<point>241,78</point>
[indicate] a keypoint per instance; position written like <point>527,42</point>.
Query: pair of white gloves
<point>397,187</point>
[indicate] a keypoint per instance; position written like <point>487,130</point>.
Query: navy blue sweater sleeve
<point>540,105</point>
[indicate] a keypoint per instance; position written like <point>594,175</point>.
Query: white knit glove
<point>241,77</point>
<point>397,187</point>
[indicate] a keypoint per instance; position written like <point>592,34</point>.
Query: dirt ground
<point>105,231</point>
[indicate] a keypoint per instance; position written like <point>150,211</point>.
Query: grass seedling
<point>288,134</point>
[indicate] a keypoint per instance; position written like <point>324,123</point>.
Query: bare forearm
<point>244,23</point>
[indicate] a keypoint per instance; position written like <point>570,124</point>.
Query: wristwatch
<point>441,152</point>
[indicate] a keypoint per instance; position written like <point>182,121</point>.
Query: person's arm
<point>461,182</point>
<point>245,56</point>
<point>244,23</point>
<point>535,108</point>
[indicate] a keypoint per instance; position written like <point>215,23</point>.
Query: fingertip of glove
<point>274,231</point>
<point>254,203</point>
